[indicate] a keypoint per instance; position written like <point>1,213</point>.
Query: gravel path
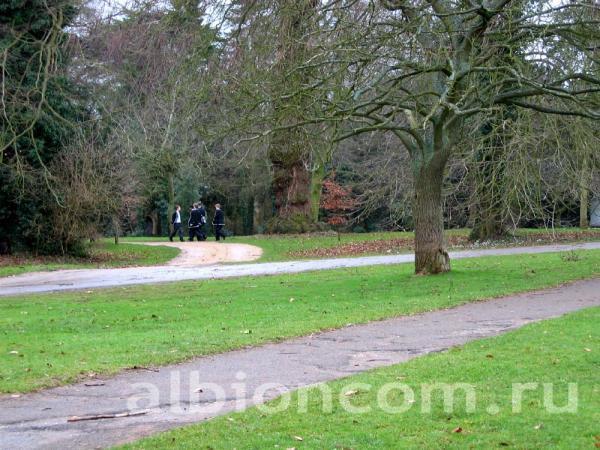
<point>194,254</point>
<point>64,280</point>
<point>40,420</point>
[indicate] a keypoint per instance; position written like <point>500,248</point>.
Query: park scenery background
<point>296,116</point>
<point>408,185</point>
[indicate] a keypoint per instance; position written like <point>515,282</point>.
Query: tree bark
<point>316,189</point>
<point>289,151</point>
<point>171,200</point>
<point>291,188</point>
<point>116,229</point>
<point>431,256</point>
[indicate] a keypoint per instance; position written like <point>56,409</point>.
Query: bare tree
<point>424,70</point>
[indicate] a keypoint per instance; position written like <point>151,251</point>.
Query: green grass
<point>558,351</point>
<point>61,337</point>
<point>280,247</point>
<point>102,254</point>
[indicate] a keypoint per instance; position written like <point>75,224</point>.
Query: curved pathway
<point>64,280</point>
<point>185,393</point>
<point>205,253</point>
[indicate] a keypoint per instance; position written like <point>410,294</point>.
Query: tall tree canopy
<point>426,70</point>
<point>39,111</point>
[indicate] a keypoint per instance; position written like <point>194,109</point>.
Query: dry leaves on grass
<point>370,247</point>
<point>406,244</point>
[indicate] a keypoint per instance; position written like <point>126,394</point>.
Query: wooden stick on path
<point>107,416</point>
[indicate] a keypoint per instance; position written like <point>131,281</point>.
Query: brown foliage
<point>337,201</point>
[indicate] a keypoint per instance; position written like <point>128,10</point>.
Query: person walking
<point>194,222</point>
<point>219,222</point>
<point>202,228</point>
<point>176,222</point>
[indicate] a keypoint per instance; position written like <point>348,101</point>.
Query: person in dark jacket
<point>195,222</point>
<point>219,222</point>
<point>176,222</point>
<point>202,228</point>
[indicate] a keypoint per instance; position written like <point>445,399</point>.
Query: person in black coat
<point>202,228</point>
<point>176,222</point>
<point>195,222</point>
<point>219,222</point>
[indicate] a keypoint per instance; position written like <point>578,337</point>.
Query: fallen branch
<point>150,369</point>
<point>106,416</point>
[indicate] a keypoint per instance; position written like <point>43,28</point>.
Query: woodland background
<point>113,113</point>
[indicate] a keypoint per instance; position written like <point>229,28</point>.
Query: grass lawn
<point>51,339</point>
<point>282,247</point>
<point>558,351</point>
<point>102,254</point>
<point>311,246</point>
<point>277,248</point>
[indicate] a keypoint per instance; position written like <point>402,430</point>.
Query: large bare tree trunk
<point>431,256</point>
<point>289,150</point>
<point>292,189</point>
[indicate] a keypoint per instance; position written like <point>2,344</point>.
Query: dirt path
<point>64,280</point>
<point>185,393</point>
<point>205,253</point>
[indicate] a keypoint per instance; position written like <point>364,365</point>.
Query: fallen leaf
<point>457,430</point>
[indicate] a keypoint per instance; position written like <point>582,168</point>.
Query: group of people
<point>197,223</point>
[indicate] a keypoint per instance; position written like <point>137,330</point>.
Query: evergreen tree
<point>38,108</point>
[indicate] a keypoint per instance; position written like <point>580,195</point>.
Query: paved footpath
<point>39,420</point>
<point>63,280</point>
